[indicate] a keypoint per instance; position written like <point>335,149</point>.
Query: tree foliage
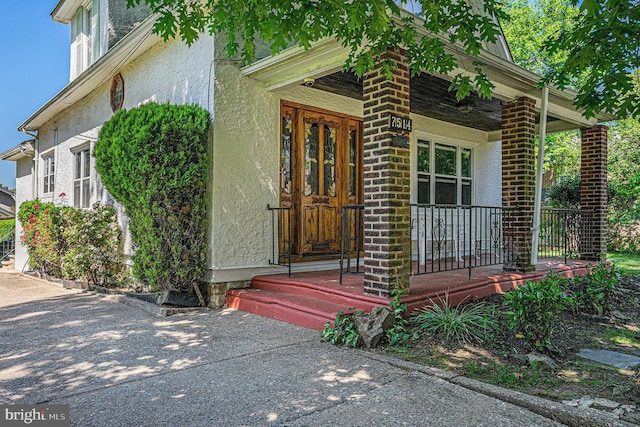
<point>531,25</point>
<point>154,160</point>
<point>602,57</point>
<point>366,27</point>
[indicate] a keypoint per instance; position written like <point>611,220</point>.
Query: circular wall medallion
<point>117,92</point>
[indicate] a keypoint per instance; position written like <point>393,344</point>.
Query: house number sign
<point>400,123</point>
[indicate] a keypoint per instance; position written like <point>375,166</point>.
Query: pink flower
<point>35,206</point>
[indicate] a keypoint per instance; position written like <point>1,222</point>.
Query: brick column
<point>593,189</point>
<point>518,181</point>
<point>387,212</point>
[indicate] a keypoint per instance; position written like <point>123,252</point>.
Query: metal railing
<point>280,236</point>
<point>8,244</point>
<point>452,237</point>
<point>565,233</point>
<point>351,240</point>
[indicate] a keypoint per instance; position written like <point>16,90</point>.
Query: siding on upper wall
<point>168,72</point>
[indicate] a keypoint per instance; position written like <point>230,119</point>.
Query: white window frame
<point>432,177</point>
<point>48,173</point>
<point>82,176</point>
<point>85,37</point>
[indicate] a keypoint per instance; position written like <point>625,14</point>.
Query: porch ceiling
<point>430,97</point>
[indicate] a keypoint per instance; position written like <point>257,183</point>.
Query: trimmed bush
<point>154,160</point>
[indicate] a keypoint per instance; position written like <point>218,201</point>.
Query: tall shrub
<point>154,160</point>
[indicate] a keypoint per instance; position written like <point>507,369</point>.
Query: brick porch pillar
<point>387,212</point>
<point>593,188</point>
<point>518,181</point>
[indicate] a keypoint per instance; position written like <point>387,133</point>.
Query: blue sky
<point>34,53</point>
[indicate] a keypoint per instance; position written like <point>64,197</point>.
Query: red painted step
<point>335,295</point>
<point>296,309</point>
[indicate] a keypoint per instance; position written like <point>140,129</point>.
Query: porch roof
<point>324,63</point>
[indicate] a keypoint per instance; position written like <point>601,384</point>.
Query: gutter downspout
<point>535,230</point>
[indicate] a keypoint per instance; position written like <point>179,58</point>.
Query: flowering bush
<point>41,235</point>
<point>93,242</point>
<point>72,243</point>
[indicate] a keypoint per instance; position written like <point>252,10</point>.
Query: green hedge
<point>154,159</point>
<point>6,228</point>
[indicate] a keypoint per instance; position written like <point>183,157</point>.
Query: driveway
<point>116,365</point>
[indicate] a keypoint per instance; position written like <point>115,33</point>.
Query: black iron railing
<point>448,237</point>
<point>565,233</point>
<point>8,244</point>
<point>280,236</point>
<point>351,241</point>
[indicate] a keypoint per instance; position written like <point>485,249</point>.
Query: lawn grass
<point>629,264</point>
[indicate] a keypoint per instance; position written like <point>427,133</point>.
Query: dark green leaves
<point>366,27</point>
<point>154,160</point>
<point>603,55</point>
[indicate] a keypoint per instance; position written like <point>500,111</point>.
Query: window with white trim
<point>444,174</point>
<point>81,180</point>
<point>49,174</point>
<point>85,34</point>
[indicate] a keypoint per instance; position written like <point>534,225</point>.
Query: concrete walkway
<point>116,365</point>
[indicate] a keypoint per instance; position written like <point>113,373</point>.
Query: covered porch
<point>411,224</point>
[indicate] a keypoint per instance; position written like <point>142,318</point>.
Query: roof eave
<point>121,54</point>
<point>23,150</point>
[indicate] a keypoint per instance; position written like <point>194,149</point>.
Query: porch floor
<point>313,298</point>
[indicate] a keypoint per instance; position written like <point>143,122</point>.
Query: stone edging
<point>568,415</point>
<point>122,297</point>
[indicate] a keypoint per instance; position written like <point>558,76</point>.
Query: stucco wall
<point>168,72</point>
<point>246,167</point>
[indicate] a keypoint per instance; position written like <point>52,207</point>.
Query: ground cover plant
<point>480,339</point>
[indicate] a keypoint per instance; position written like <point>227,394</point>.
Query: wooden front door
<point>321,171</point>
